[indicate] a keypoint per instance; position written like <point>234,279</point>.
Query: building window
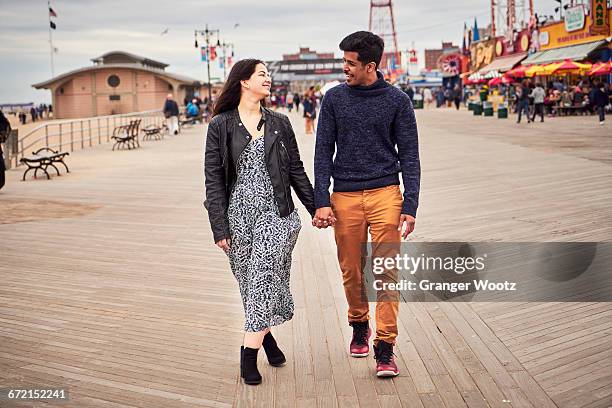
<point>62,90</point>
<point>169,87</point>
<point>113,81</point>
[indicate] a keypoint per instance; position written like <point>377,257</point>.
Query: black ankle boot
<point>248,366</point>
<point>275,355</point>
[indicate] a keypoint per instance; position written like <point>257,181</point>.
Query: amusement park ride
<point>513,30</point>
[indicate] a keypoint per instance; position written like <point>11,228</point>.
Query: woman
<point>251,163</point>
<point>310,112</point>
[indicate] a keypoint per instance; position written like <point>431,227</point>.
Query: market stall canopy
<point>503,64</point>
<point>572,52</point>
<point>601,68</point>
<point>518,72</point>
<point>571,66</point>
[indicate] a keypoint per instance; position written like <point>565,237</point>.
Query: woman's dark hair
<point>368,46</point>
<point>230,94</point>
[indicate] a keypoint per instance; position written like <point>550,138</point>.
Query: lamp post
<point>225,46</point>
<point>207,33</point>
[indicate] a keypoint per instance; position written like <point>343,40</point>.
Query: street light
<point>207,33</point>
<point>225,46</point>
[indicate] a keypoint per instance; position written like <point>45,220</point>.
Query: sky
<point>89,28</point>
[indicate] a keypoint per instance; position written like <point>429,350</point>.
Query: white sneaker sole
<point>360,355</point>
<point>386,374</point>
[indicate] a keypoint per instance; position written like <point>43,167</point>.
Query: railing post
<point>47,135</point>
<point>89,126</point>
<point>71,137</point>
<point>60,138</point>
<point>82,136</point>
<point>107,129</point>
<point>99,135</point>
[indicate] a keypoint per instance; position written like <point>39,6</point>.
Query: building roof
<point>181,78</point>
<point>126,57</point>
<point>503,64</point>
<point>573,52</point>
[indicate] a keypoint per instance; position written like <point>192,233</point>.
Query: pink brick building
<point>118,82</point>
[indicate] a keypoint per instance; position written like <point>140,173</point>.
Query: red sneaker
<point>385,360</point>
<point>361,335</point>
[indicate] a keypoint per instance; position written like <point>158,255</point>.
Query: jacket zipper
<point>281,173</point>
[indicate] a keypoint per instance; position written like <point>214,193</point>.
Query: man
<point>363,121</point>
<point>600,100</point>
<point>522,94</point>
<point>171,112</point>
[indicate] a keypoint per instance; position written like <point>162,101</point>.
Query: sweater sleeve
<point>324,152</point>
<point>407,137</point>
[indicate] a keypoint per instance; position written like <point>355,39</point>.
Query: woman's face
<point>259,83</point>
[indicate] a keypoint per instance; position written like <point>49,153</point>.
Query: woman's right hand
<point>224,244</point>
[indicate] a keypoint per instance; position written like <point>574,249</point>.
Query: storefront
<point>581,36</point>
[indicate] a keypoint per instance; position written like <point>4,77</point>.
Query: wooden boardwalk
<point>111,285</point>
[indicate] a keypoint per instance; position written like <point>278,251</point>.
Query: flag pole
<point>50,38</point>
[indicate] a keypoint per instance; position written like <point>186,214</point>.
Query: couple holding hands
<point>251,163</point>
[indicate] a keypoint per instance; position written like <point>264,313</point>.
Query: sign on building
<point>574,18</point>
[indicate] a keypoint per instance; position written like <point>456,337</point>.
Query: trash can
<point>470,106</point>
<point>487,108</point>
<point>483,95</point>
<point>477,109</point>
<point>418,104</point>
<point>502,111</point>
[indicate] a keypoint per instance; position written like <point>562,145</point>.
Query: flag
<point>475,33</point>
<point>213,53</point>
<point>52,13</point>
<point>221,64</point>
<point>53,26</point>
<point>204,54</point>
<point>229,61</point>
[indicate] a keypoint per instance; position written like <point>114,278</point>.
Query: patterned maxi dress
<point>261,242</point>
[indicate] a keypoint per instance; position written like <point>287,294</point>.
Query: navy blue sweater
<point>373,131</point>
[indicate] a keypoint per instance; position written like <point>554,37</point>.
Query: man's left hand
<point>409,221</point>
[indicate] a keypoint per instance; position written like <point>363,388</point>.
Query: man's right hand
<point>324,217</point>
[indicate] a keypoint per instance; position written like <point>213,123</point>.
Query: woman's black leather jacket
<point>226,139</point>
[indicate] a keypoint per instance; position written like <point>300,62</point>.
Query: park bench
<point>153,132</point>
<point>42,159</point>
<point>188,122</point>
<point>571,110</point>
<point>127,135</point>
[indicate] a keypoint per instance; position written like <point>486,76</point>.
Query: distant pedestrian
<point>410,92</point>
<point>522,93</point>
<point>289,102</point>
<point>538,94</point>
<point>457,96</point>
<point>5,128</point>
<point>296,100</point>
<point>171,112</point>
<point>33,113</point>
<point>192,109</point>
<point>600,101</point>
<point>428,97</point>
<point>310,112</point>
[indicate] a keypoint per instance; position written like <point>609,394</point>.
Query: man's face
<point>356,72</point>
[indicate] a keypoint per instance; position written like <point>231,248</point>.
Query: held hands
<point>324,217</point>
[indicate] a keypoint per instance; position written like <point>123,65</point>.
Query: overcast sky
<point>266,30</point>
